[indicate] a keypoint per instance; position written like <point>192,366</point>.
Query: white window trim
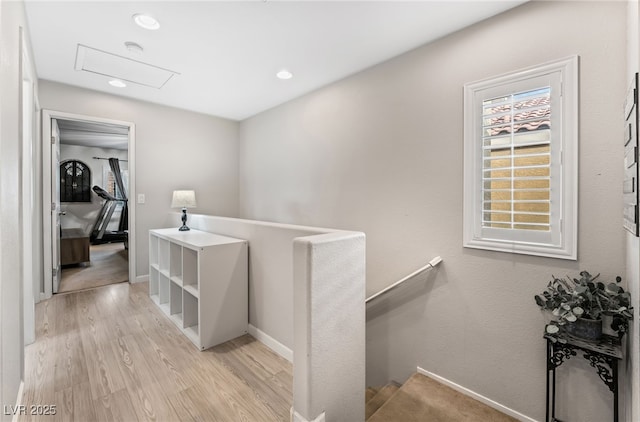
<point>567,246</point>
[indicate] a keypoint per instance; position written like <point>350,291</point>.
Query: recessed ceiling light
<point>284,74</point>
<point>146,21</point>
<point>117,83</point>
<point>134,47</point>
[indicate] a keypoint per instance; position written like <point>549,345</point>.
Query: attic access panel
<point>100,62</point>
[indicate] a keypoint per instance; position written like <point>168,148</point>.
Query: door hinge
<point>54,272</point>
<point>53,140</point>
<point>53,206</point>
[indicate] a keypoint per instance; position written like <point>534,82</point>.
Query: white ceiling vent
<point>111,65</point>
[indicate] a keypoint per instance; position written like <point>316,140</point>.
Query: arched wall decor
<point>75,181</point>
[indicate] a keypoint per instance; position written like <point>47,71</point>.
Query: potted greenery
<point>578,306</point>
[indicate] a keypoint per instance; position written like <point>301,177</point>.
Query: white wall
<point>175,149</point>
<point>12,19</point>
<point>83,215</point>
<point>270,269</point>
<point>632,386</point>
<point>381,152</point>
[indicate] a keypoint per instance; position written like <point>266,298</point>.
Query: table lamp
<point>184,199</point>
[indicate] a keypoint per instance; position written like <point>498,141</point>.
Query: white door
<point>55,204</point>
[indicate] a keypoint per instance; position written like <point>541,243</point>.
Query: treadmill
<point>100,232</point>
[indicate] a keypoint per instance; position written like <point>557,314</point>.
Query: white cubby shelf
<point>200,282</point>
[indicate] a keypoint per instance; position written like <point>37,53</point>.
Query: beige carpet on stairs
<point>109,264</point>
<point>369,393</point>
<point>380,398</point>
<point>422,399</point>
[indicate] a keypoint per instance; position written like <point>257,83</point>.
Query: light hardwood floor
<point>109,354</point>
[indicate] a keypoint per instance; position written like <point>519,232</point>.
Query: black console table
<point>603,356</point>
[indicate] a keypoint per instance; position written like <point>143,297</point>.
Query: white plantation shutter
<point>521,161</point>
<point>516,146</point>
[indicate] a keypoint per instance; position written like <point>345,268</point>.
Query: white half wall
<point>329,321</point>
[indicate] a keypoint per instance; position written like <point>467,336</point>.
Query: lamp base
<point>184,227</point>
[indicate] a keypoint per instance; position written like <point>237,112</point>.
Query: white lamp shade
<point>183,199</point>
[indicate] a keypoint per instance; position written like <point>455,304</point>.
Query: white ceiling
<point>93,134</point>
<point>226,53</point>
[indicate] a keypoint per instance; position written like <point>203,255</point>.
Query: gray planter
<point>587,329</point>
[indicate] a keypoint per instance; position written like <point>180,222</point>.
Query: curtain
<point>114,163</point>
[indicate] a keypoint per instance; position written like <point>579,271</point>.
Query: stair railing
<point>432,264</point>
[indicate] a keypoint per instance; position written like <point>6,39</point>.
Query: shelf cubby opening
<point>163,255</point>
<point>175,308</point>
<point>153,250</point>
<point>163,288</point>
<point>175,266</point>
<point>190,268</point>
<point>193,334</point>
<point>153,281</point>
<point>190,310</point>
<point>190,288</point>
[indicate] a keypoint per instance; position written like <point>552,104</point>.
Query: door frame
<point>47,115</point>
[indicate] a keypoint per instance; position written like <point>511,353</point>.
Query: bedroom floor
<point>109,265</point>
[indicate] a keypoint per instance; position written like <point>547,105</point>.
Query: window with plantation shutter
<point>520,161</point>
<point>516,135</point>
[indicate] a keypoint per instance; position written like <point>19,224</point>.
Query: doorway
<point>90,224</point>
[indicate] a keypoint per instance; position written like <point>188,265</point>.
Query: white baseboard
<point>519,416</point>
<point>16,414</point>
<point>271,343</point>
<point>296,417</point>
<point>141,278</point>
